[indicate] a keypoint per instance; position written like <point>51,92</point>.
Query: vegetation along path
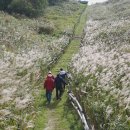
<point>60,114</point>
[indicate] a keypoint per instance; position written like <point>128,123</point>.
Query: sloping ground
<point>60,114</point>
<point>27,46</point>
<point>102,67</point>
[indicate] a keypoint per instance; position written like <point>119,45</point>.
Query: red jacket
<point>49,83</point>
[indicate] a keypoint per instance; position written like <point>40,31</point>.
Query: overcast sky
<point>95,1</point>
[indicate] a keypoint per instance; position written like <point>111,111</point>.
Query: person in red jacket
<point>49,86</point>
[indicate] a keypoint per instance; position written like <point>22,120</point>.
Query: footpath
<point>60,115</point>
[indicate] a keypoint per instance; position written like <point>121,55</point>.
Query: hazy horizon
<point>95,1</point>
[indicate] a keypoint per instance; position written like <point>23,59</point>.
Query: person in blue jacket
<point>59,81</point>
<point>63,74</point>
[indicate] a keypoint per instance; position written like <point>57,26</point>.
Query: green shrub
<point>4,4</point>
<point>21,6</point>
<point>47,29</point>
<point>39,4</point>
<point>53,2</point>
<point>29,8</point>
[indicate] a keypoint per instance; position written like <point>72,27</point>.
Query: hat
<point>49,72</point>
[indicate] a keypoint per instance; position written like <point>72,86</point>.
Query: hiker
<point>49,86</point>
<point>59,81</point>
<point>63,74</point>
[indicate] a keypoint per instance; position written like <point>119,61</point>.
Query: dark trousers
<point>59,92</point>
<point>48,96</point>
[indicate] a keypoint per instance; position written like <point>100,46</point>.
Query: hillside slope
<point>101,69</point>
<point>27,46</point>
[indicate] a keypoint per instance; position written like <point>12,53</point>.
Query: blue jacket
<point>59,81</point>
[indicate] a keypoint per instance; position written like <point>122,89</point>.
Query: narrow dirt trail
<point>59,118</point>
<point>54,119</point>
